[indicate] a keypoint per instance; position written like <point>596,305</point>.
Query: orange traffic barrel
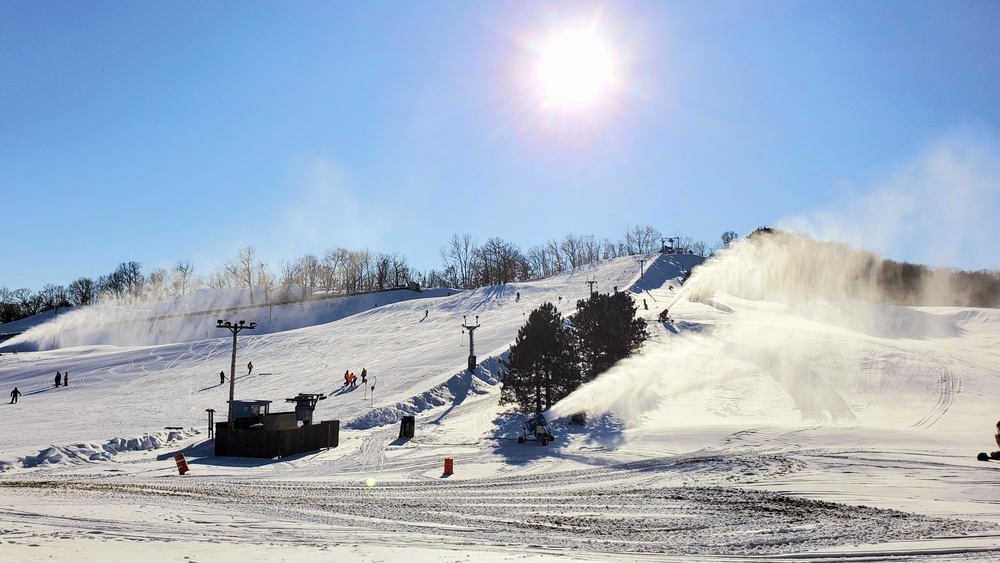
<point>182,466</point>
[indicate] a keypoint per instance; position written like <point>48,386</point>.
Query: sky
<point>161,132</point>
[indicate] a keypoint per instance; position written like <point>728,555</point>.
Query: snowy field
<point>764,422</point>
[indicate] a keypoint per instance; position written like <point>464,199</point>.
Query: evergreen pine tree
<point>607,330</point>
<point>541,368</point>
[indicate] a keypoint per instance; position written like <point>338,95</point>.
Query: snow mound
<point>84,452</point>
<point>453,391</point>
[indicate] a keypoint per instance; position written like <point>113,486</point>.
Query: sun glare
<point>575,68</point>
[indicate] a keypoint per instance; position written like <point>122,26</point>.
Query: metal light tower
<point>472,342</point>
<point>235,329</point>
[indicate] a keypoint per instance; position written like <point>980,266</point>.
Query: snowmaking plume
<point>804,308</point>
<point>934,209</point>
<point>796,315</point>
<point>194,317</point>
<point>180,319</point>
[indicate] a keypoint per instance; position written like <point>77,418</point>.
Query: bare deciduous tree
<point>382,266</point>
<point>728,237</point>
<point>220,278</point>
<point>459,255</point>
<point>400,270</point>
<point>156,287</point>
<point>571,249</point>
<point>555,255</point>
<point>265,279</point>
<point>183,271</point>
<point>242,269</point>
<point>82,292</point>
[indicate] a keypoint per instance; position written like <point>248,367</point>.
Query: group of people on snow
<point>351,380</point>
<point>222,374</point>
<point>61,379</point>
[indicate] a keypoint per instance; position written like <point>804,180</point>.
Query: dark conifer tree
<point>607,330</point>
<point>541,368</point>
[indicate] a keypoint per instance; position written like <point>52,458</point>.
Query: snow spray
<point>797,314</point>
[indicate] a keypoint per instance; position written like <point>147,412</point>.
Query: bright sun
<point>575,69</point>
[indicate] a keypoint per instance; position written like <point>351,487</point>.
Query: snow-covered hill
<point>775,420</point>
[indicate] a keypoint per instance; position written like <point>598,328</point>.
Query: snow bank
<point>453,391</point>
<point>85,452</point>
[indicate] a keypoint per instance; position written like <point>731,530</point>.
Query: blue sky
<point>159,132</point>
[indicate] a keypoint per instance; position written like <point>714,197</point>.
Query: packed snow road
<point>668,506</point>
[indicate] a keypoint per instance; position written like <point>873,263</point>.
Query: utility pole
<point>235,329</point>
<point>472,342</point>
<point>641,262</point>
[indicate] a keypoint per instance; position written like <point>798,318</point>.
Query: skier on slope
<point>58,379</point>
<point>14,395</point>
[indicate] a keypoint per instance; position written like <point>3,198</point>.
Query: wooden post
<point>211,423</point>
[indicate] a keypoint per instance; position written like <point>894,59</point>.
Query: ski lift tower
<point>591,284</point>
<point>472,342</point>
<point>235,328</point>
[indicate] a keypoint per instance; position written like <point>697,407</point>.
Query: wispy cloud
<point>936,209</point>
<point>323,210</point>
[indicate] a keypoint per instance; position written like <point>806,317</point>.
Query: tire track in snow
<point>948,386</point>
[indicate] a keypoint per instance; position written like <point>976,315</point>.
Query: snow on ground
<point>754,424</point>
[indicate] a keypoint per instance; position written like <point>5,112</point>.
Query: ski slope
<point>755,424</point>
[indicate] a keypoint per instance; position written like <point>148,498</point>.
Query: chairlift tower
<point>472,342</point>
<point>641,262</point>
<point>235,328</point>
<point>591,284</point>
